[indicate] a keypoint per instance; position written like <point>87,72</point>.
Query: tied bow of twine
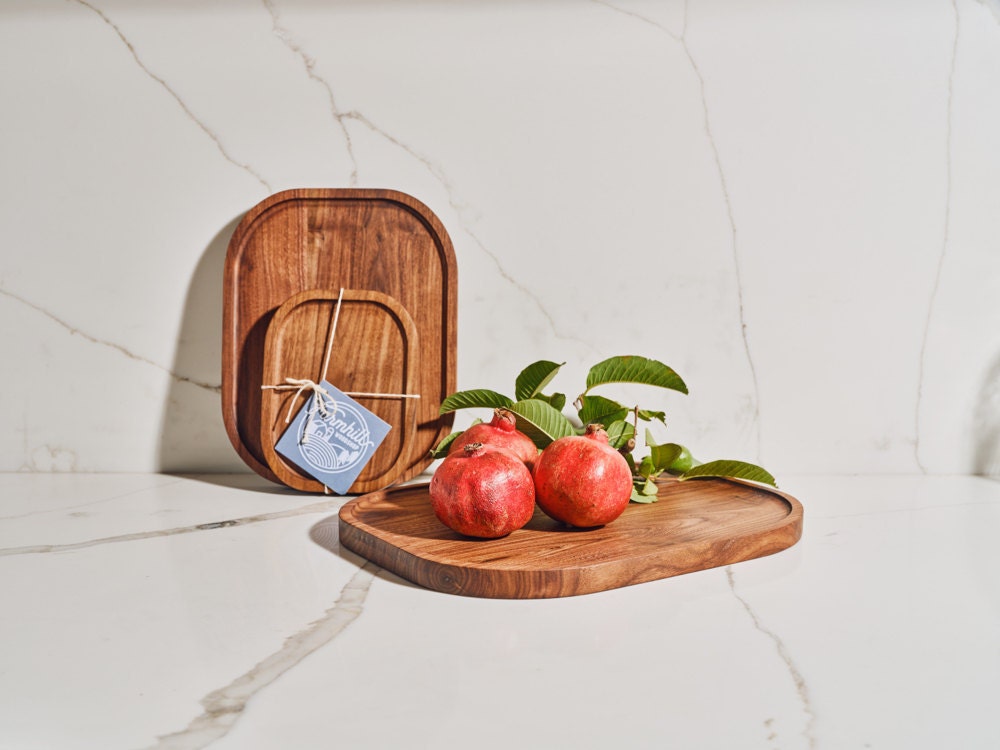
<point>300,386</point>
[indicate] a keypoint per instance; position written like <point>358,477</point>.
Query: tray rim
<point>230,357</point>
<point>357,536</point>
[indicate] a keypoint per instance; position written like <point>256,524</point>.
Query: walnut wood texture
<point>375,240</point>
<point>375,350</point>
<point>696,525</point>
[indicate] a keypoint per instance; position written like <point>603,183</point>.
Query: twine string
<point>301,385</point>
<point>333,335</point>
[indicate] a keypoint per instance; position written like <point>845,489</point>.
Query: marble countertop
<point>144,610</point>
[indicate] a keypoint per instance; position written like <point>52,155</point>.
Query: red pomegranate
<point>482,492</point>
<point>500,432</point>
<point>582,481</point>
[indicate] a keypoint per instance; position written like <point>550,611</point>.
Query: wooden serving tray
<point>375,350</point>
<point>695,525</point>
<point>370,240</point>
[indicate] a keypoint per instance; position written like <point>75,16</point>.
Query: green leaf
<point>480,398</point>
<point>664,456</point>
<point>644,491</point>
<point>534,378</point>
<point>557,400</point>
<point>634,369</point>
<point>619,433</point>
<point>541,422</point>
<point>442,448</point>
<point>639,497</point>
<point>600,410</point>
<point>683,462</point>
<point>650,438</point>
<point>648,416</point>
<point>630,460</point>
<point>647,469</point>
<point>730,470</point>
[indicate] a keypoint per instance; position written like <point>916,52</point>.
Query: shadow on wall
<point>987,425</point>
<point>192,436</point>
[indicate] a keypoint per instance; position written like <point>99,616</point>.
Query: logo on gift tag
<point>336,438</point>
<point>332,439</point>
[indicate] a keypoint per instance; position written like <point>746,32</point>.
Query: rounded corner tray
<point>695,525</point>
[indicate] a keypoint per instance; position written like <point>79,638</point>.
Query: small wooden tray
<point>378,240</point>
<point>695,525</point>
<point>375,350</point>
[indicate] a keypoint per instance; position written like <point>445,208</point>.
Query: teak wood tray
<point>375,349</point>
<point>695,525</point>
<point>365,240</point>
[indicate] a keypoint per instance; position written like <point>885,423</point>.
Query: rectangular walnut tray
<point>695,525</point>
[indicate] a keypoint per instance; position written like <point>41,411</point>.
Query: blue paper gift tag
<point>332,442</point>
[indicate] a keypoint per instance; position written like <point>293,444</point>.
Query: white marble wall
<point>797,205</point>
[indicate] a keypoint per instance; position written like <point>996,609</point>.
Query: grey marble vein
<point>344,116</point>
<point>309,63</point>
<point>223,707</point>
<point>646,19</point>
<point>507,276</point>
<point>88,504</point>
<point>73,330</point>
<point>38,549</point>
<point>769,726</point>
<point>174,95</point>
<point>935,287</point>
<point>62,460</point>
<point>681,39</point>
<point>460,210</point>
<point>800,684</point>
<point>993,5</point>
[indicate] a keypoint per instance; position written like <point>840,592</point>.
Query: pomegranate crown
<point>504,419</point>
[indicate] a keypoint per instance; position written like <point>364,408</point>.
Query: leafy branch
<point>540,416</point>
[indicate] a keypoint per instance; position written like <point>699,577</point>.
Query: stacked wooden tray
<point>286,265</point>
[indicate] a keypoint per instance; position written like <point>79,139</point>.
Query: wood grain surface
<point>375,349</point>
<point>695,525</point>
<point>375,240</point>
